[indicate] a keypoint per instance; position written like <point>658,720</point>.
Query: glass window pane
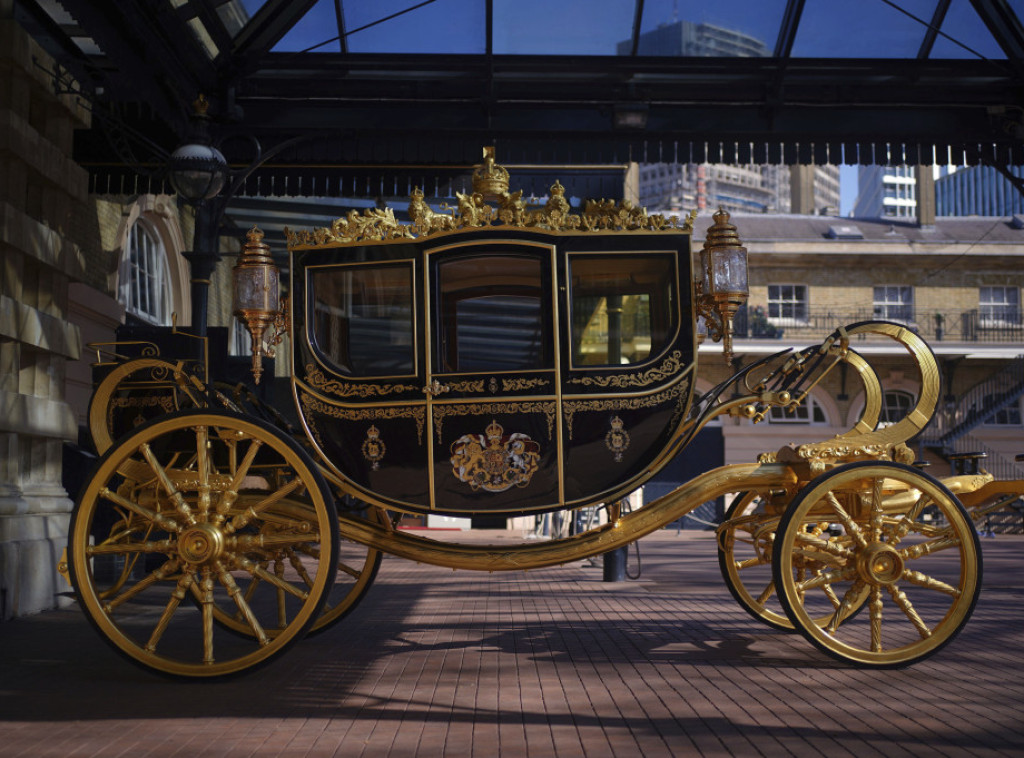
<point>733,28</point>
<point>963,24</point>
<point>363,320</point>
<point>534,27</point>
<point>494,315</point>
<point>623,308</point>
<point>861,30</point>
<point>318,26</point>
<point>452,26</point>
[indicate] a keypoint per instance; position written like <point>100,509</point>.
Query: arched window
<point>896,404</point>
<point>143,277</point>
<point>808,412</point>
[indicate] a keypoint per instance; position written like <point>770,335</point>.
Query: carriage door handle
<point>435,388</point>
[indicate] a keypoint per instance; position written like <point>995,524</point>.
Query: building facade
<point>979,191</point>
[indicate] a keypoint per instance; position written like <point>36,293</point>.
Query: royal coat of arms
<point>495,461</point>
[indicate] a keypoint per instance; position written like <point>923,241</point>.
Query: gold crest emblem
<point>617,439</point>
<point>373,447</point>
<point>495,461</point>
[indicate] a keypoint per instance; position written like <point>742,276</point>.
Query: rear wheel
<point>195,517</point>
<point>910,555</point>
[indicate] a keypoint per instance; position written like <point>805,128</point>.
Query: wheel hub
<point>880,563</point>
<point>201,543</point>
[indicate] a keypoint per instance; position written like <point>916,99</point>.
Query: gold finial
<point>200,105</point>
<point>490,179</point>
<point>722,233</point>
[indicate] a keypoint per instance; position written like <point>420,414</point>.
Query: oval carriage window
<point>363,319</point>
<point>624,308</point>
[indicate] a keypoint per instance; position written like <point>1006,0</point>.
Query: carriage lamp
<point>722,286</point>
<point>256,302</point>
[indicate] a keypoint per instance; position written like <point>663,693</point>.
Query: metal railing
<point>753,322</point>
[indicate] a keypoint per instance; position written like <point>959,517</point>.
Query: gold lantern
<point>722,284</point>
<point>256,301</point>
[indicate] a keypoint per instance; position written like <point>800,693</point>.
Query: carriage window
<point>493,315</point>
<point>363,320</point>
<point>623,308</point>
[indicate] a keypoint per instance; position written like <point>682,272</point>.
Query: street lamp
<point>198,172</point>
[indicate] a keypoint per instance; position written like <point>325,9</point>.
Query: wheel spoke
<point>257,570</point>
<point>203,466</point>
<point>228,582</point>
<point>169,525</point>
<point>180,505</point>
<point>851,526</point>
<point>930,583</point>
<point>253,512</point>
<point>766,593</point>
<point>876,509</point>
<point>177,595</point>
<point>907,607</point>
<point>230,493</point>
<point>846,607</point>
<point>908,520</point>
<point>823,578</point>
<point>157,575</point>
<point>875,608</point>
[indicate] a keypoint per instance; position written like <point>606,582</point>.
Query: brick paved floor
<point>548,663</point>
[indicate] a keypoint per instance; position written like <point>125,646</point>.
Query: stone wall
<point>43,202</point>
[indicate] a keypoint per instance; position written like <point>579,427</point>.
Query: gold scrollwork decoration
<point>518,385</point>
<point>319,380</point>
<point>548,408</point>
<point>673,364</point>
<point>417,413</point>
<point>474,210</point>
<point>136,402</point>
<point>676,392</point>
<point>473,386</point>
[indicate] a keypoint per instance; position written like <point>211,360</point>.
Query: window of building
<point>999,306</point>
<point>896,404</point>
<point>894,302</point>
<point>1008,415</point>
<point>787,303</point>
<point>143,279</point>
<point>808,412</point>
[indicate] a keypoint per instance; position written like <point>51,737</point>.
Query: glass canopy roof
<point>935,29</point>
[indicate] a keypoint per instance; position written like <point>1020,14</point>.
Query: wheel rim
<point>192,515</point>
<point>745,546</point>
<point>910,555</point>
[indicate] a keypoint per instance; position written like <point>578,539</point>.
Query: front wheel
<point>191,515</point>
<point>909,553</point>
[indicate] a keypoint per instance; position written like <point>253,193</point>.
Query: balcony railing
<point>752,322</point>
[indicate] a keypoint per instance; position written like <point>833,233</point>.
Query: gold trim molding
<point>417,413</point>
<point>673,364</point>
<point>547,407</point>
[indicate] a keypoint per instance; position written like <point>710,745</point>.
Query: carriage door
<point>492,377</point>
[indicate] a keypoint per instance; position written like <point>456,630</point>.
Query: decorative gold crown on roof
<point>490,179</point>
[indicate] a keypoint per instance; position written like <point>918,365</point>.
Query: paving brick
<point>547,664</point>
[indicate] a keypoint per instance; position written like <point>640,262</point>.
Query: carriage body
<point>504,370</point>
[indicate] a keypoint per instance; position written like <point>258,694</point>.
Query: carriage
<point>492,359</point>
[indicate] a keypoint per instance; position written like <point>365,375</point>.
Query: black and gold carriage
<point>492,359</point>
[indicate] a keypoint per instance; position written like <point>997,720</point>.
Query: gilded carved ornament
<point>489,204</point>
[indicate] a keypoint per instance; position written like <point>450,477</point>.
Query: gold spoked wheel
<point>356,569</point>
<point>193,514</point>
<point>911,551</point>
<point>746,541</point>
